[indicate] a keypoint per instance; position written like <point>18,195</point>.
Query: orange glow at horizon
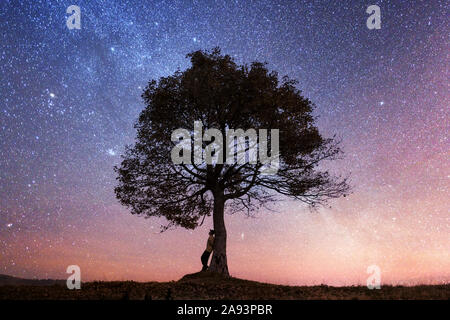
<point>385,93</point>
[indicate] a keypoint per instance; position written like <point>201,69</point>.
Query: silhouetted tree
<point>223,95</point>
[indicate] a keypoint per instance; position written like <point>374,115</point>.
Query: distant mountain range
<point>13,281</point>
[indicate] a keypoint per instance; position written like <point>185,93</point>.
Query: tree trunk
<point>219,258</point>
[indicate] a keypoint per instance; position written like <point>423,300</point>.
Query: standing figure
<point>208,250</point>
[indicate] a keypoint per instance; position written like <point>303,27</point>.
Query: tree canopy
<point>221,94</point>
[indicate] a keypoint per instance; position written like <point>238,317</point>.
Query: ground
<point>203,285</point>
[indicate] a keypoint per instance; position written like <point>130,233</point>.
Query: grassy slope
<point>204,286</point>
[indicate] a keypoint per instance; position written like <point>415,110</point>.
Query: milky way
<point>69,99</point>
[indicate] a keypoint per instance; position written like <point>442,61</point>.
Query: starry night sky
<point>69,99</point>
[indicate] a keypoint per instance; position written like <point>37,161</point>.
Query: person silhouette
<point>209,248</point>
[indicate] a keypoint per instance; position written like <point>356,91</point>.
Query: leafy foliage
<point>223,95</point>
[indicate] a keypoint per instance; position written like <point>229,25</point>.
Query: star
<point>70,99</point>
